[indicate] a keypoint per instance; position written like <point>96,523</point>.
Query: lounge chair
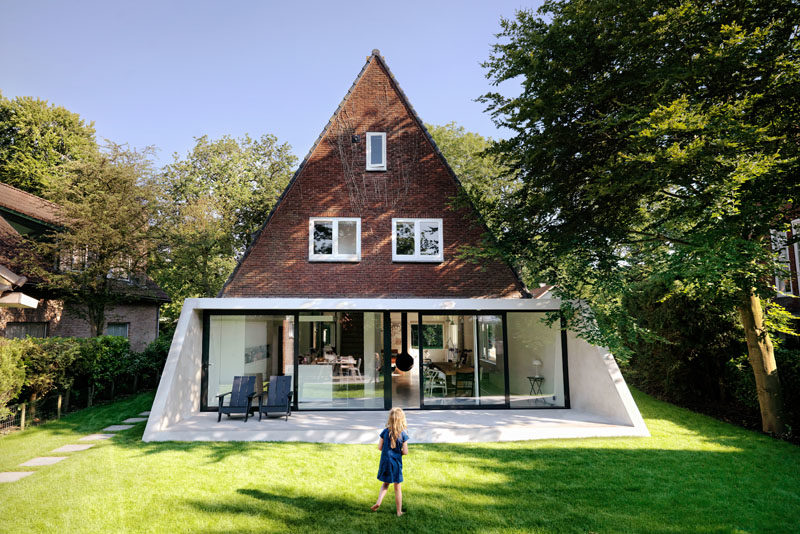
<point>278,399</point>
<point>242,393</point>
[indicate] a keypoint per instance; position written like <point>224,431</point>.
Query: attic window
<point>376,151</point>
<point>334,239</point>
<point>417,240</point>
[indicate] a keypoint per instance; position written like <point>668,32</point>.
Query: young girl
<point>393,446</point>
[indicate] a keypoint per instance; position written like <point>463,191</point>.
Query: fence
<point>31,414</point>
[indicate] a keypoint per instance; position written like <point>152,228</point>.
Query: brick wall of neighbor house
<point>143,319</point>
<point>334,183</point>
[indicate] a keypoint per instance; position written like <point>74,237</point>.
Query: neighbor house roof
<point>29,205</point>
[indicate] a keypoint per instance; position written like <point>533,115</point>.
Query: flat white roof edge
<point>377,304</point>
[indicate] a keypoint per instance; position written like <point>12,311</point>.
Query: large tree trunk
<point>762,359</point>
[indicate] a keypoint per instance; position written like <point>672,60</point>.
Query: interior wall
<point>529,339</point>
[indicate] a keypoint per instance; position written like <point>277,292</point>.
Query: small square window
<point>334,239</point>
<point>376,151</point>
<point>417,240</point>
<point>117,329</point>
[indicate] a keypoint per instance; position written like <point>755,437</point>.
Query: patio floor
<point>425,426</point>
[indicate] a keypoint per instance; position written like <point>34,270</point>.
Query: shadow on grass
<point>471,489</point>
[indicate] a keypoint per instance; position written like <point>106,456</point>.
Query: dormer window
<point>334,239</point>
<point>376,151</point>
<point>417,240</point>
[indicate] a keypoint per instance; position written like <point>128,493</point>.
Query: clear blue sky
<point>160,73</point>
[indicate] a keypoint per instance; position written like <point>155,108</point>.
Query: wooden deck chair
<point>242,393</point>
<point>278,398</point>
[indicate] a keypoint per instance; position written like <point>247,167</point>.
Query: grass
<point>695,474</point>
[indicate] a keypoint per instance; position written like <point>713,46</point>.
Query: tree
<point>38,140</point>
<point>486,182</point>
<point>212,202</point>
<point>108,206</point>
<point>654,140</point>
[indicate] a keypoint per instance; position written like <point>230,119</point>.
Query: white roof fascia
<point>18,300</point>
<point>373,304</point>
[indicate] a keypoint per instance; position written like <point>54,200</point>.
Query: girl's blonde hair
<point>396,424</point>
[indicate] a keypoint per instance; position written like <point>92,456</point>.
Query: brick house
<point>25,215</point>
<point>357,288</point>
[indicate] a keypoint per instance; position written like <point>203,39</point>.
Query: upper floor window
<point>74,260</point>
<point>334,239</point>
<point>376,151</point>
<point>417,240</point>
<point>780,245</point>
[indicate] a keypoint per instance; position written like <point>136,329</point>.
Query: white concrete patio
<point>428,426</point>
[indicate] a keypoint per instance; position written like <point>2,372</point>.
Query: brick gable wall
<point>333,182</point>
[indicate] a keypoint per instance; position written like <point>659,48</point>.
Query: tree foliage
<point>38,140</point>
<point>213,201</point>
<point>486,182</point>
<point>654,140</point>
<point>12,375</point>
<point>108,206</point>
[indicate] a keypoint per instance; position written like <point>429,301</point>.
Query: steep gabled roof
<point>375,56</point>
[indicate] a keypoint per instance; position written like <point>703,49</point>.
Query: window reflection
<point>323,238</point>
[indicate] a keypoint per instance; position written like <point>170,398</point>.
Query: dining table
<point>450,369</point>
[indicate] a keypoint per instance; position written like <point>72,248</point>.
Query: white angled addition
<point>417,240</point>
<point>334,239</point>
<point>376,151</point>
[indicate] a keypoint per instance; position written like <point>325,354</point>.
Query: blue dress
<point>390,469</point>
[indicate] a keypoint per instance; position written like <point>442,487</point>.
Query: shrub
<point>12,373</point>
<point>102,360</point>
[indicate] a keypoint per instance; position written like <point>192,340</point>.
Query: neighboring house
<point>358,266</point>
<point>787,284</point>
<point>135,316</point>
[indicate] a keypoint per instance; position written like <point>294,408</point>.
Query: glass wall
<point>536,376</point>
<point>340,360</point>
<point>463,359</point>
<point>242,345</point>
<point>459,359</point>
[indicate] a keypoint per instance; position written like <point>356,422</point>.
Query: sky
<point>161,73</point>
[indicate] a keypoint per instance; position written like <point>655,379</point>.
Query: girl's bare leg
<point>381,495</point>
<point>398,499</point>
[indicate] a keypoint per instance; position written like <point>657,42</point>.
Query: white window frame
<point>335,256</point>
<point>417,257</point>
<point>381,166</point>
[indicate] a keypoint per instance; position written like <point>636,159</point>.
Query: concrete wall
<point>178,393</point>
<point>596,385</point>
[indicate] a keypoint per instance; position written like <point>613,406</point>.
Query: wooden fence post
<point>58,407</point>
<point>22,418</point>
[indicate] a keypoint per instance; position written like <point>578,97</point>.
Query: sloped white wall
<point>178,393</point>
<point>596,385</point>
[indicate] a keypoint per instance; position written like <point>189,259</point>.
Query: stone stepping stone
<point>135,419</point>
<point>43,460</point>
<point>74,448</point>
<point>145,413</point>
<point>94,437</point>
<point>117,428</point>
<point>13,476</point>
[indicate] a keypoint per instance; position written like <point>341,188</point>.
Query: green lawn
<point>694,475</point>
